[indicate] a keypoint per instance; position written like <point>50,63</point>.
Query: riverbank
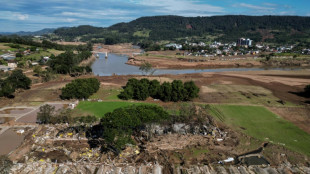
<point>123,49</point>
<point>168,63</point>
<point>162,61</point>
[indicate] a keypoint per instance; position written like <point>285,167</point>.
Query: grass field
<point>264,125</point>
<point>243,94</point>
<point>37,56</point>
<point>106,94</point>
<point>100,108</point>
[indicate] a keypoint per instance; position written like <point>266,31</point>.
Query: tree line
<point>225,28</point>
<point>28,41</point>
<point>80,88</point>
<point>67,63</point>
<point>16,80</point>
<point>175,91</point>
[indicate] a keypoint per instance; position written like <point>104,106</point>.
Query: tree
<point>191,90</point>
<point>165,92</point>
<point>62,116</point>
<point>120,124</point>
<point>178,91</point>
<point>6,88</point>
<point>145,67</point>
<point>44,116</point>
<point>19,80</point>
<point>141,92</point>
<point>80,88</point>
<point>154,88</point>
<point>38,70</point>
<point>175,91</point>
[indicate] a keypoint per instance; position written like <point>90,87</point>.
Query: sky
<point>33,15</point>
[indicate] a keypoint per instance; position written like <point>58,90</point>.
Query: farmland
<point>264,125</point>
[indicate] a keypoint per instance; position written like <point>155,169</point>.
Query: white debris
<point>230,159</point>
<point>20,131</point>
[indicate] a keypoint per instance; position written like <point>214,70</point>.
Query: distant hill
<point>26,33</point>
<point>275,29</point>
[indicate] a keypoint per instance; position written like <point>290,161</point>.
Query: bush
<point>80,88</point>
<point>175,91</point>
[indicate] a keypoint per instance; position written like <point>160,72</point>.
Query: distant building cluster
<point>244,42</point>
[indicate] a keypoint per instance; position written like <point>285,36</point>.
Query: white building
<point>176,46</point>
<point>12,65</point>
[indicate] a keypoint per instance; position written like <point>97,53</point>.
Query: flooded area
<point>10,140</point>
<point>31,117</point>
<point>15,110</point>
<point>116,65</point>
<point>5,119</point>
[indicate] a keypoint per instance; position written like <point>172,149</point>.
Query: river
<point>116,64</point>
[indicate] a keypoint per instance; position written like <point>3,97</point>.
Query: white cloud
<point>99,14</point>
<point>181,7</point>
<point>71,19</point>
<point>256,7</point>
<point>270,4</point>
<point>21,16</point>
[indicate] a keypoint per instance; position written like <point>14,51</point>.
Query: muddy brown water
<point>5,119</point>
<point>10,140</point>
<point>116,64</point>
<point>32,116</point>
<point>15,111</point>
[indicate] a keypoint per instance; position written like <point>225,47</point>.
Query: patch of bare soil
<point>71,43</point>
<point>173,63</point>
<point>126,49</point>
<point>300,116</point>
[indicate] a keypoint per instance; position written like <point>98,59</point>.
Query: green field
<point>100,108</point>
<point>38,55</point>
<point>264,125</point>
<point>106,94</point>
<point>243,94</point>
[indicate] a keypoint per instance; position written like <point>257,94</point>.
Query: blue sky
<point>32,15</point>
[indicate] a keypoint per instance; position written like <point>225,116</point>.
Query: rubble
<point>181,148</point>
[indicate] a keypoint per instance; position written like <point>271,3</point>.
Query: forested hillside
<point>275,29</point>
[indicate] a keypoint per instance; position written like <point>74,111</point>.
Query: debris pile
<point>44,167</point>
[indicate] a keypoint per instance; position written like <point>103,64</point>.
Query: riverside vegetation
<point>175,91</point>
